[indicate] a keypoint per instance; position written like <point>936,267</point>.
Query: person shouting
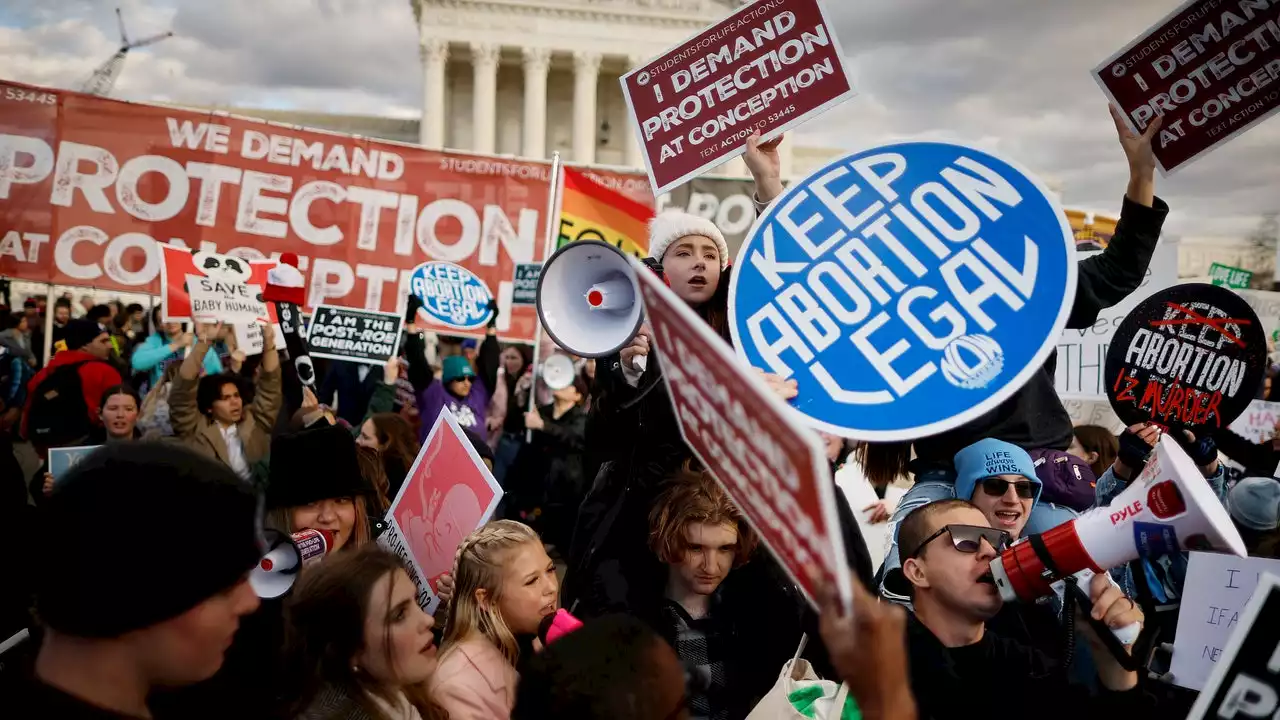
<point>505,584</point>
<point>208,413</point>
<point>958,663</point>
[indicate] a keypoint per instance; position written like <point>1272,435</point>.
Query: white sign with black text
<point>1218,588</point>
<point>1082,353</point>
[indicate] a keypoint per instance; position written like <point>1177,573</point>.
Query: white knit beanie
<point>672,225</point>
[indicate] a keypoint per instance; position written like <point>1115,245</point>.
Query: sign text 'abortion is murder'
<point>1191,356</point>
<point>362,336</point>
<point>765,68</point>
<point>907,288</point>
<point>1211,68</point>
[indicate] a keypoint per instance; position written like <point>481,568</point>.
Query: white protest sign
<point>860,495</point>
<point>1217,589</point>
<point>448,493</point>
<point>1246,680</point>
<point>1267,306</point>
<point>1258,422</point>
<point>214,300</point>
<point>1082,353</point>
<point>249,339</point>
<point>1093,412</point>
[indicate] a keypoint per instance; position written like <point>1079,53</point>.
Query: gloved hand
<point>1202,451</point>
<point>1134,449</point>
<point>493,318</point>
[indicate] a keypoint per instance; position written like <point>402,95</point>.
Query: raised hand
<point>1137,148</point>
<point>765,164</point>
<point>209,333</point>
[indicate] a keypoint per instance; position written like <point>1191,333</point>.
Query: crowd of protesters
<point>126,585</point>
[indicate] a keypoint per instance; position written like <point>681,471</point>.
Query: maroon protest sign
<point>1191,356</point>
<point>768,66</point>
<point>1211,68</point>
<point>774,469</point>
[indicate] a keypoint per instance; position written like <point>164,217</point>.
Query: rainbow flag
<point>591,211</point>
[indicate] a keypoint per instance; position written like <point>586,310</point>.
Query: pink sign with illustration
<point>448,493</point>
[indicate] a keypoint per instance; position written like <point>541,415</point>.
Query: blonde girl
<point>504,585</point>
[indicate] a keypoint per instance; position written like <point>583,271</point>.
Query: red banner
<point>88,186</point>
<point>1210,68</point>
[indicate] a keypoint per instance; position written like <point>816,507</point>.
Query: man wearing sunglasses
<point>1000,479</point>
<point>962,668</point>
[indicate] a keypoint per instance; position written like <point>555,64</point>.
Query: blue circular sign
<point>451,294</point>
<point>907,289</point>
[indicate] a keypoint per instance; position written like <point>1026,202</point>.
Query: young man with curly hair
<point>697,532</point>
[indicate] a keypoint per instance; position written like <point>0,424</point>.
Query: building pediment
<point>646,11</point>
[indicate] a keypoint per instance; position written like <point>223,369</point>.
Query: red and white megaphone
<point>288,554</point>
<point>589,299</point>
<point>1168,508</point>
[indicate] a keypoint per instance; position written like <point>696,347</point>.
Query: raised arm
<point>183,413</point>
<point>1110,276</point>
<point>267,398</point>
<point>765,164</point>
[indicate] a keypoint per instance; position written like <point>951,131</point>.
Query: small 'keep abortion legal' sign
<point>1191,356</point>
<point>907,289</point>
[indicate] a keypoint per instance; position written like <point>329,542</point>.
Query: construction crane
<point>104,78</point>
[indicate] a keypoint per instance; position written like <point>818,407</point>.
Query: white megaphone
<point>557,371</point>
<point>1168,508</point>
<point>288,554</point>
<point>589,299</point>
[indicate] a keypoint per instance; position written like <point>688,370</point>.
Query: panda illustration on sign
<point>179,263</point>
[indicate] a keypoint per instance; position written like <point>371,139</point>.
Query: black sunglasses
<point>967,539</point>
<point>995,487</point>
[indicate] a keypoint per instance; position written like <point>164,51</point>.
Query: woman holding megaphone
<point>632,436</point>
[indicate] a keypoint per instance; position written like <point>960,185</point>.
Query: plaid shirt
<point>704,647</point>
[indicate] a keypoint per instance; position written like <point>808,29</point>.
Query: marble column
<point>586,70</point>
<point>435,58</point>
<point>484,97</point>
<point>534,141</point>
<point>634,155</point>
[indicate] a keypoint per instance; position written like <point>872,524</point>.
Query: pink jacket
<point>474,682</point>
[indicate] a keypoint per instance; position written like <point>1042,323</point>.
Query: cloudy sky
<point>1007,74</point>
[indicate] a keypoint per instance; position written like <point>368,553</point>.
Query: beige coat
<point>201,434</point>
<point>475,682</point>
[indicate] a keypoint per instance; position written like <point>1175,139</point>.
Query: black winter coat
<point>1034,417</point>
<point>548,474</point>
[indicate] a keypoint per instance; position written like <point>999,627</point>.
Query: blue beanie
<point>991,457</point>
<point>456,366</point>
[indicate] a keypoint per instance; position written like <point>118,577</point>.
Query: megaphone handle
<point>1113,640</point>
<point>640,362</point>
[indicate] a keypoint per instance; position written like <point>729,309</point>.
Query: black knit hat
<point>318,463</point>
<point>81,332</point>
<point>139,533</point>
